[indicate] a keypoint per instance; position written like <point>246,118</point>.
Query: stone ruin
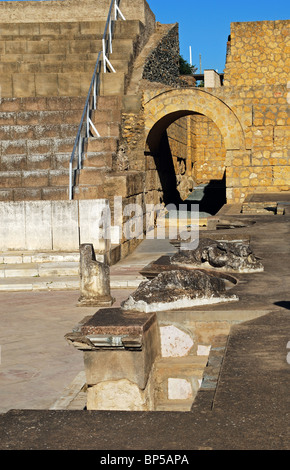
<point>175,289</point>
<point>94,279</point>
<point>227,256</point>
<point>183,285</point>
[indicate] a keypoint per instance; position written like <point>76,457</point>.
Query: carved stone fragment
<point>94,279</point>
<point>176,289</point>
<point>228,256</point>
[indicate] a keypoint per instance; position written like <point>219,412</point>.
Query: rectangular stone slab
<point>115,321</point>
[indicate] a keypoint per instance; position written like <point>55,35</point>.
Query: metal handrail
<point>86,124</point>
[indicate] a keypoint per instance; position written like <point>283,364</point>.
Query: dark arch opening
<point>210,196</point>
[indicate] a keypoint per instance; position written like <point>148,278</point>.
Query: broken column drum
<point>94,279</point>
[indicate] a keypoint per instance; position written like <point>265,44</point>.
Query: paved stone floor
<point>37,364</point>
<point>36,361</point>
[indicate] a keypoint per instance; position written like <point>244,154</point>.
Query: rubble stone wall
<point>259,54</point>
<point>162,65</point>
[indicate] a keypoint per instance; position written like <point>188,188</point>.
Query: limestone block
<point>174,342</point>
<point>211,79</point>
<point>132,365</point>
<point>93,214</point>
<point>23,85</point>
<point>120,395</point>
<point>95,279</point>
<point>65,230</point>
<point>203,350</point>
<point>12,217</point>
<point>179,389</point>
<point>38,234</point>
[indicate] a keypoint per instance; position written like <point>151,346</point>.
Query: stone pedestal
<point>94,279</point>
<point>120,349</point>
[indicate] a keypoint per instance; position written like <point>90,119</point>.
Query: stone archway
<point>163,108</point>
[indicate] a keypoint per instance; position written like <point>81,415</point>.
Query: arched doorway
<point>208,128</point>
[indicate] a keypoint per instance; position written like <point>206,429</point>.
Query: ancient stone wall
<point>162,65</point>
<point>73,10</point>
<point>250,112</point>
<point>259,54</point>
<point>197,151</point>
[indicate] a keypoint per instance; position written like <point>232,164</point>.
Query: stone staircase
<point>58,59</point>
<point>36,271</point>
<point>37,135</point>
<point>45,73</point>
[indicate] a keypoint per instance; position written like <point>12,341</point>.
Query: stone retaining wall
<point>162,65</point>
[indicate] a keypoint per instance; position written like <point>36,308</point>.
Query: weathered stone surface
<point>121,395</point>
<point>118,322</point>
<point>221,255</point>
<point>95,279</point>
<point>174,342</point>
<point>162,65</point>
<point>179,389</point>
<point>177,289</point>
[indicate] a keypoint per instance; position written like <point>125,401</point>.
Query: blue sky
<point>205,25</point>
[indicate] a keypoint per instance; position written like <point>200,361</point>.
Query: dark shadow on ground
<point>210,197</point>
<point>283,304</point>
<point>165,167</point>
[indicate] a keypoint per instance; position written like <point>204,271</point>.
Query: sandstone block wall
<point>250,136</point>
<point>259,54</point>
<point>197,151</point>
<point>73,10</point>
<point>256,81</point>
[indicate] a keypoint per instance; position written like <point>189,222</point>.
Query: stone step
<point>34,178</point>
<point>107,128</point>
<point>101,160</point>
<point>90,176</point>
<point>42,193</point>
<point>39,131</point>
<point>27,257</point>
<point>42,117</point>
<point>112,84</point>
<point>16,105</point>
<point>48,58</point>
<point>174,405</point>
<point>61,46</point>
<point>130,28</point>
<point>28,284</point>
<point>52,270</point>
<point>19,85</point>
<point>106,114</point>
<point>39,269</point>
<point>55,46</point>
<point>61,66</point>
<point>35,162</point>
<point>110,102</point>
<point>103,144</point>
<point>61,282</point>
<point>48,146</point>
